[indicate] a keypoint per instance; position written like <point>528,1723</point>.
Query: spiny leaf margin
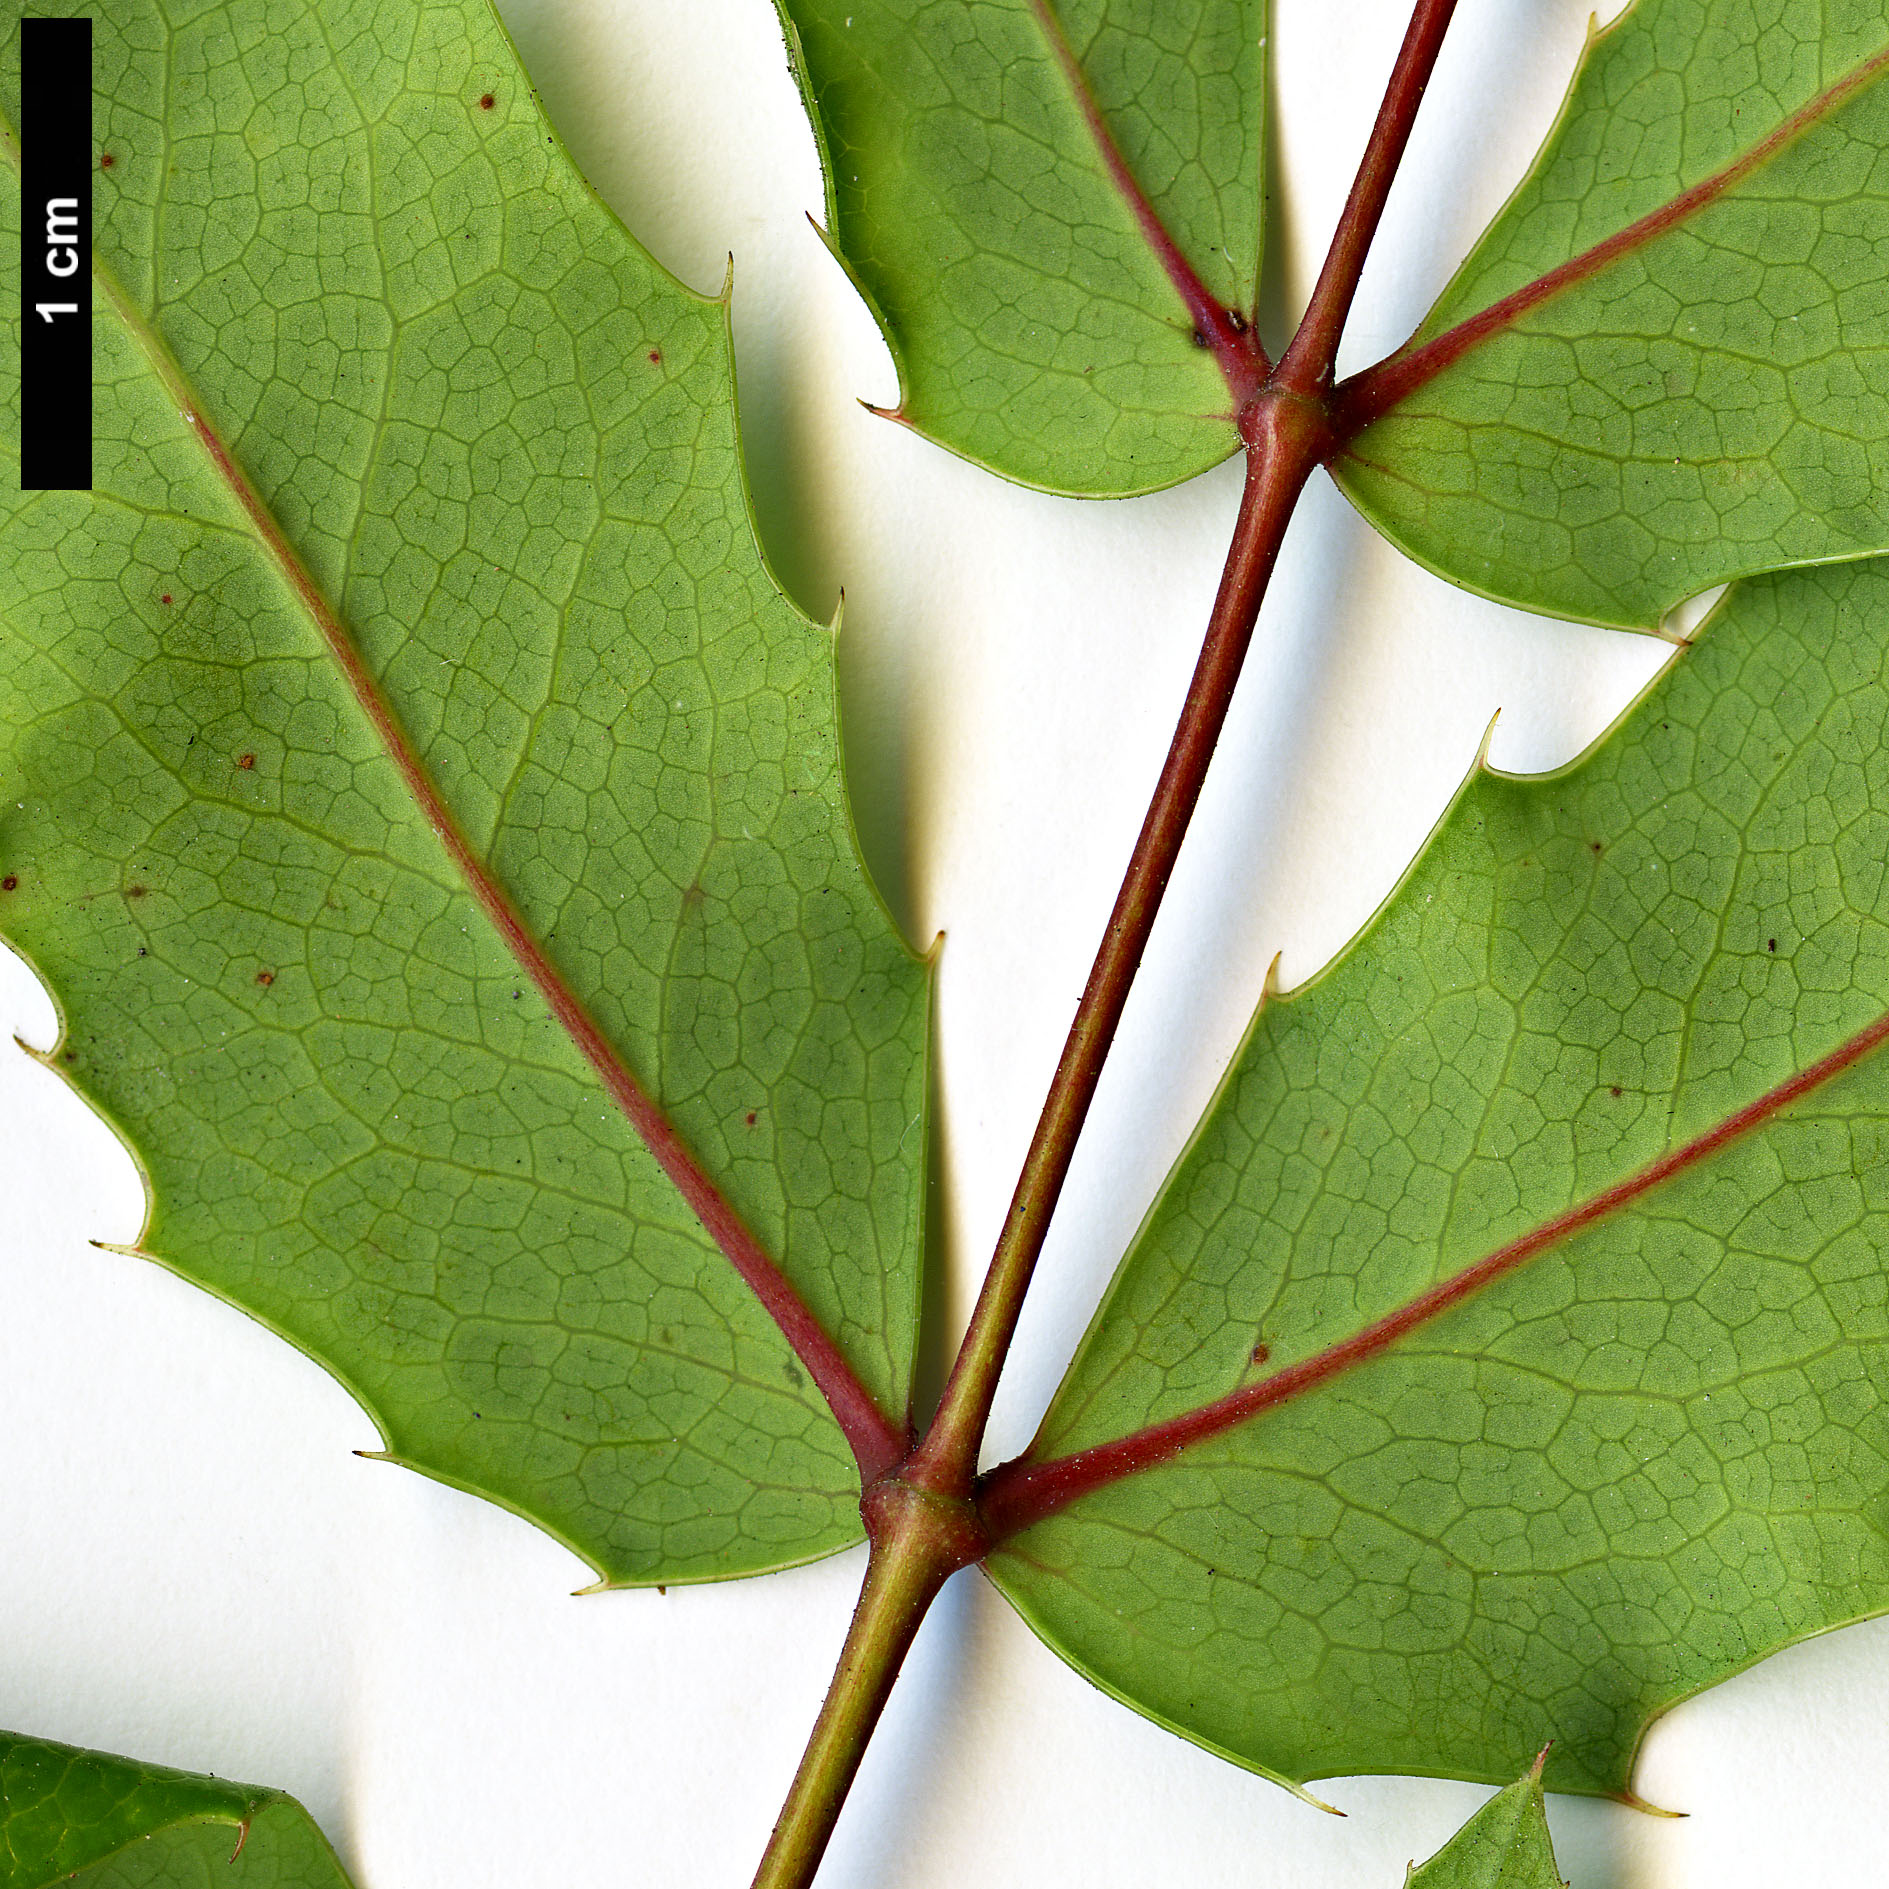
<point>1505,1845</point>
<point>685,1442</point>
<point>1710,402</point>
<point>1654,1454</point>
<point>84,1818</point>
<point>1034,329</point>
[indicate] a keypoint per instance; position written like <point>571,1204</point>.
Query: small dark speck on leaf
<point>165,598</point>
<point>655,354</point>
<point>791,1372</point>
<point>1770,944</point>
<point>518,993</point>
<point>1594,845</point>
<point>661,1589</point>
<point>265,977</point>
<point>486,102</point>
<point>751,1118</point>
<point>143,952</point>
<point>247,762</point>
<point>71,1056</point>
<point>106,161</point>
<point>135,891</point>
<point>1615,1090</point>
<point>11,883</point>
<point>1261,1352</point>
<point>1200,340</point>
<point>1236,321</point>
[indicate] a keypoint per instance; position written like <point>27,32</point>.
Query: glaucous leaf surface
<point>84,1819</point>
<point>1034,328</point>
<point>1711,397</point>
<point>1659,1448</point>
<point>495,445</point>
<point>1505,1845</point>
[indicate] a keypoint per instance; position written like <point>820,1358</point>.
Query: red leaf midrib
<point>1369,395</point>
<point>1025,1492</point>
<point>876,1440</point>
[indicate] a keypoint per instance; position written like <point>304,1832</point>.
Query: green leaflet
<point>1656,1451</point>
<point>502,443</point>
<point>1505,1845</point>
<point>1713,401</point>
<point>1034,328</point>
<point>97,1822</point>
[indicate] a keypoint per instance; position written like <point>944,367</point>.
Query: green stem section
<point>921,1516</point>
<point>918,1542</point>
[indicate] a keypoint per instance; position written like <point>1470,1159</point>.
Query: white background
<point>195,1568</point>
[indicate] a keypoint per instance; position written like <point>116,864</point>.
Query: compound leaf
<point>408,764</point>
<point>1035,326</point>
<point>1514,1333</point>
<point>1665,364</point>
<point>96,1822</point>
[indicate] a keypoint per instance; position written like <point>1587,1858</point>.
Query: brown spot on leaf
<point>11,883</point>
<point>1593,846</point>
<point>655,354</point>
<point>106,161</point>
<point>1770,944</point>
<point>265,978</point>
<point>486,101</point>
<point>1615,1090</point>
<point>1261,1352</point>
<point>136,891</point>
<point>247,762</point>
<point>751,1118</point>
<point>165,598</point>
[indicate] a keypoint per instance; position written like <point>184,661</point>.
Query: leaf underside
<point>1505,1845</point>
<point>1655,1452</point>
<point>1711,402</point>
<point>96,1822</point>
<point>1034,328</point>
<point>502,445</point>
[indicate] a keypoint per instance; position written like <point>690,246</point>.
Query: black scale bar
<point>56,255</point>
